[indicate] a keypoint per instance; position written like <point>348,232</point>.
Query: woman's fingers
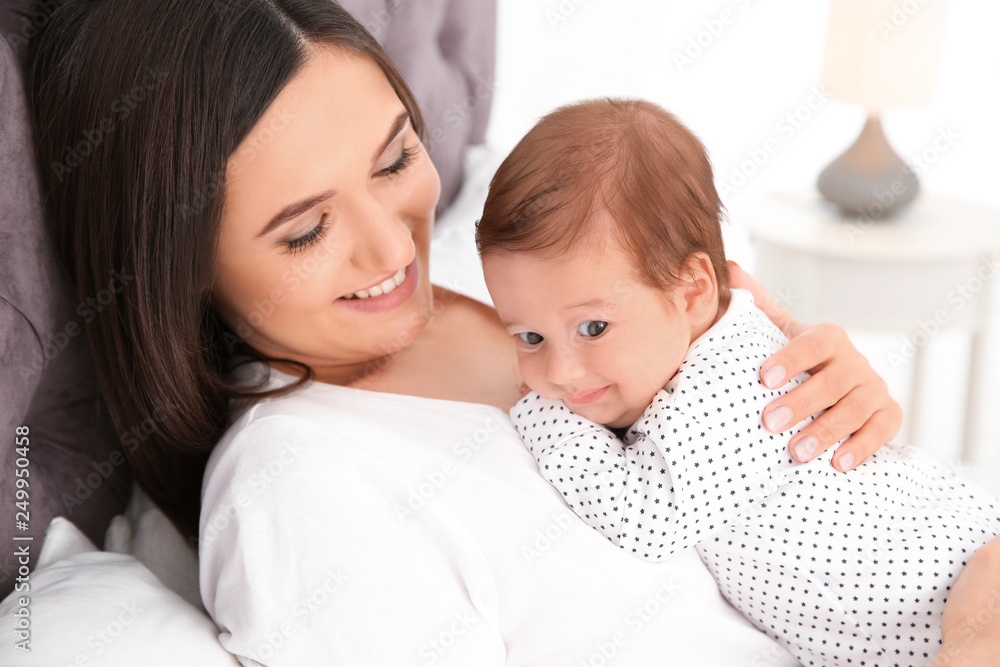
<point>880,428</point>
<point>843,383</point>
<point>815,346</point>
<point>852,417</point>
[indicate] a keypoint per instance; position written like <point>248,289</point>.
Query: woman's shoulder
<point>325,424</point>
<point>285,428</point>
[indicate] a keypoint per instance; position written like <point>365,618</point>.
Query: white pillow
<point>91,608</point>
<point>145,532</point>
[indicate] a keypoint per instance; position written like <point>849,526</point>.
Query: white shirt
<point>843,568</point>
<point>348,527</point>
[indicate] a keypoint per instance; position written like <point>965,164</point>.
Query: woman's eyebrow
<point>295,209</point>
<point>397,127</point>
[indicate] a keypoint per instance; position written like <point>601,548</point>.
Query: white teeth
<point>386,286</point>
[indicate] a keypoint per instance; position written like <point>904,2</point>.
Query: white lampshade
<point>883,53</point>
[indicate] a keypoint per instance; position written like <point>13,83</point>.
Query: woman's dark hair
<point>137,106</point>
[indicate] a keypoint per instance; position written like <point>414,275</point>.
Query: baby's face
<point>587,332</point>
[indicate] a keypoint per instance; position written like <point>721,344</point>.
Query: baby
<point>602,250</point>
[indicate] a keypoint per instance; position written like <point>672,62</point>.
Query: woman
<point>367,502</point>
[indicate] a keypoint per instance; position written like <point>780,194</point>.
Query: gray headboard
<point>445,50</point>
<point>48,383</point>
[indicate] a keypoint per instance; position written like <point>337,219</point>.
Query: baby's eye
<point>592,329</point>
<point>530,337</point>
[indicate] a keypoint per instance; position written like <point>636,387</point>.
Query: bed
<point>111,581</point>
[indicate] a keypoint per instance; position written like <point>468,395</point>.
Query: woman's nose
<point>563,365</point>
<point>382,239</point>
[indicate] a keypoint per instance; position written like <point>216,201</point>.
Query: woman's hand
<point>856,397</point>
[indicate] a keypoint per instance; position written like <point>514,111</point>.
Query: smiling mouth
<point>585,397</point>
<point>385,287</point>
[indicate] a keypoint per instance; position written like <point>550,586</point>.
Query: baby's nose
<point>564,366</point>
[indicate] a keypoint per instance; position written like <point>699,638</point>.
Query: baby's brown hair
<point>628,158</point>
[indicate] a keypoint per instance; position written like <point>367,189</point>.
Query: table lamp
<point>879,54</point>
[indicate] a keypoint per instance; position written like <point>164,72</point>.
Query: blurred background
<point>741,73</point>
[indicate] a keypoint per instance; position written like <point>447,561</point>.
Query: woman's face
<point>323,254</point>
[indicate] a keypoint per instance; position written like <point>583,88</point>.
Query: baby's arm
<point>675,485</point>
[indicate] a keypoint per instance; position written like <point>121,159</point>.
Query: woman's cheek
<point>311,279</point>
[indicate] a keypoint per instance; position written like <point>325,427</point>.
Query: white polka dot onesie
<point>843,568</point>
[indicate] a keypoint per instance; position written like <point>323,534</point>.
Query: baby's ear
<point>701,289</point>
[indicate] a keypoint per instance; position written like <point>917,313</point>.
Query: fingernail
<point>805,448</point>
<point>774,377</point>
<point>777,419</point>
<point>845,461</point>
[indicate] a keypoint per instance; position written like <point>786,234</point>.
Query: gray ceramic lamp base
<point>869,179</point>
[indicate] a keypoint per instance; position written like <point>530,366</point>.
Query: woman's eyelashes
<point>405,158</point>
<point>310,238</point>
<point>314,235</point>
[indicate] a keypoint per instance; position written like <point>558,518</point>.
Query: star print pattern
<point>842,568</point>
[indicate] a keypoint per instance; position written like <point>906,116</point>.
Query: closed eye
<point>404,161</point>
<point>310,238</point>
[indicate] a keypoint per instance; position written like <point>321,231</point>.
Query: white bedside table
<point>929,268</point>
